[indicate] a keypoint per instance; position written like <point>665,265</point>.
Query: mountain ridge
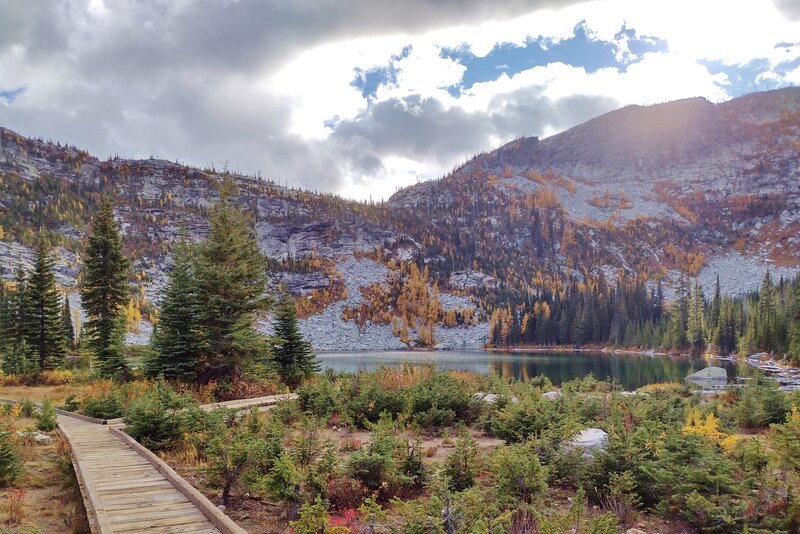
<point>643,191</point>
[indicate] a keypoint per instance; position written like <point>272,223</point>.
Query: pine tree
<point>291,353</point>
<point>230,271</point>
<point>176,340</point>
<point>44,330</point>
<point>66,321</point>
<point>104,292</point>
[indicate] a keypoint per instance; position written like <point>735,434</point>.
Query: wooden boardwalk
<point>126,489</point>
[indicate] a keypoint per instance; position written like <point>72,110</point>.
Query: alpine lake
<point>631,371</point>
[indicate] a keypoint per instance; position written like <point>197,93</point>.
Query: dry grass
<point>14,507</point>
<point>661,387</point>
<point>56,394</point>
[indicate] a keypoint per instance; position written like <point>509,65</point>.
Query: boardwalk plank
<point>122,489</point>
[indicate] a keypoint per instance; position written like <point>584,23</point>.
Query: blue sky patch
<point>368,81</point>
<point>11,94</point>
<point>580,50</point>
<point>743,79</point>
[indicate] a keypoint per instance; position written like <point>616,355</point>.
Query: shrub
<point>313,519</point>
<point>378,466</point>
<point>27,408</point>
<point>461,467</point>
<point>56,377</point>
<point>282,484</point>
<point>439,401</point>
<point>46,418</point>
<point>10,462</point>
<point>345,492</point>
<point>412,467</point>
<point>71,403</point>
<point>319,397</point>
<point>533,417</point>
<point>105,406</point>
<point>231,455</point>
<point>157,419</point>
<point>518,473</point>
<point>364,401</point>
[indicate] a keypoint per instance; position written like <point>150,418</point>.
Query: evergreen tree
<point>679,314</point>
<point>694,325</point>
<point>767,316</point>
<point>17,360</point>
<point>18,307</point>
<point>44,330</point>
<point>291,353</point>
<point>11,465</point>
<point>66,321</point>
<point>104,292</point>
<point>716,303</point>
<point>726,333</point>
<point>6,317</point>
<point>176,340</point>
<point>230,271</point>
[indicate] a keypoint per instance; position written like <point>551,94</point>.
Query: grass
<point>56,394</point>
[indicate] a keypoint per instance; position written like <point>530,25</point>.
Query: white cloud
<point>207,81</point>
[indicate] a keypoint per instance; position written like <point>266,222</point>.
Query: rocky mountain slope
<point>647,191</point>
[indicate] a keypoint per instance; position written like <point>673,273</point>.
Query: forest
<point>628,314</point>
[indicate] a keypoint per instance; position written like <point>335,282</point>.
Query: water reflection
<point>631,371</point>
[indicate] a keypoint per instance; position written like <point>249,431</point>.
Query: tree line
<point>633,313</point>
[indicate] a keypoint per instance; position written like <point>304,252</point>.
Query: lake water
<point>631,371</point>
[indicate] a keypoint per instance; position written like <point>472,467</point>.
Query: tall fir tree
<point>18,306</point>
<point>44,331</point>
<point>695,331</point>
<point>679,314</point>
<point>66,322</point>
<point>291,353</point>
<point>230,271</point>
<point>104,292</point>
<point>6,317</point>
<point>176,341</point>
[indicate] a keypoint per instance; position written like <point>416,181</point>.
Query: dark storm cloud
<point>179,80</point>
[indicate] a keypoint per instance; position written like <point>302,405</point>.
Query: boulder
<point>491,398</point>
<point>552,395</point>
<point>709,377</point>
<point>589,440</point>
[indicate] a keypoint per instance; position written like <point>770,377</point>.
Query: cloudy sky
<point>360,97</point>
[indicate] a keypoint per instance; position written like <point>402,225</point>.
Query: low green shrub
<point>157,418</point>
<point>107,406</point>
<point>46,418</point>
<point>10,462</point>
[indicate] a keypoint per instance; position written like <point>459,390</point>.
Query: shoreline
<point>514,350</point>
